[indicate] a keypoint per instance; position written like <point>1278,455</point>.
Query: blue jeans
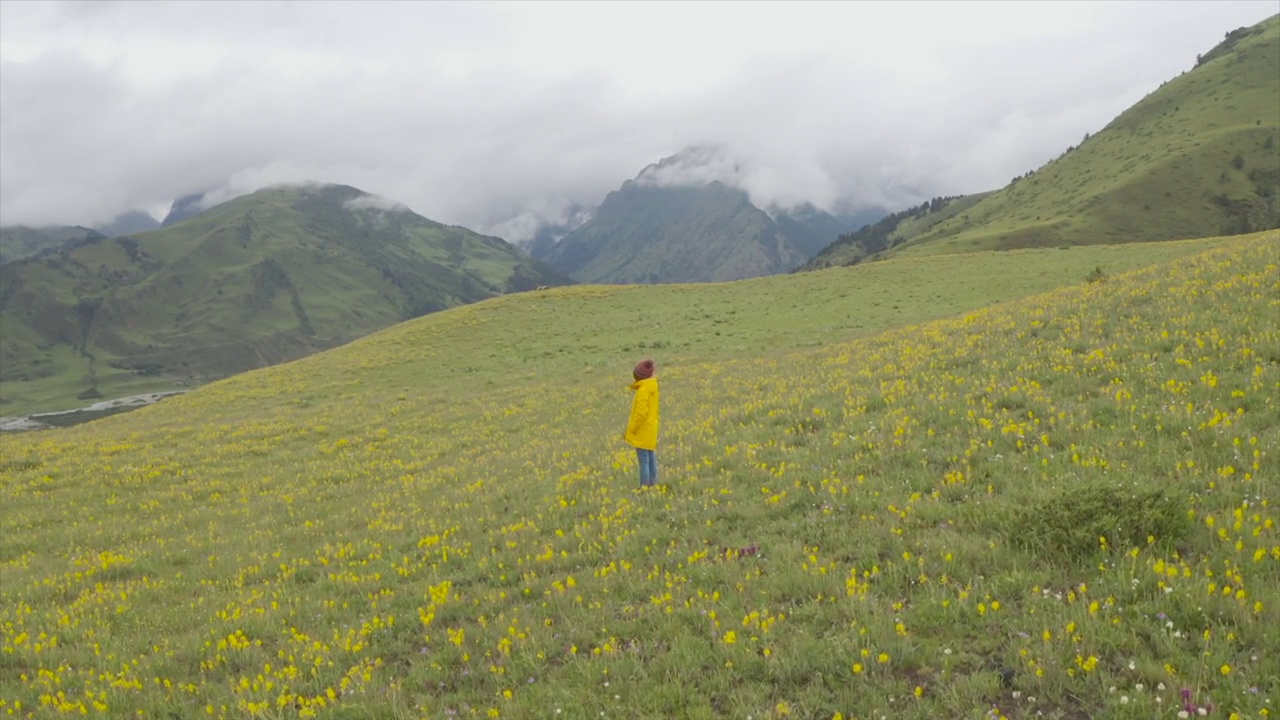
<point>648,467</point>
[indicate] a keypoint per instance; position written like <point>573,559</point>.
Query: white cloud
<point>498,116</point>
<point>376,202</point>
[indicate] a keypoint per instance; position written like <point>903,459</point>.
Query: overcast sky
<point>495,115</point>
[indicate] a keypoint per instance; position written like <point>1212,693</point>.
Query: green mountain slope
<point>890,231</point>
<point>264,278</point>
<point>1005,511</point>
<point>19,241</point>
<point>1199,156</point>
<point>672,224</point>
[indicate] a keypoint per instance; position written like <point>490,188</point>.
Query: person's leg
<point>653,467</point>
<point>644,466</point>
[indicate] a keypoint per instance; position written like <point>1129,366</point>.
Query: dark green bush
<point>1070,524</point>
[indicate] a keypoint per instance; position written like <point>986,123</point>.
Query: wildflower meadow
<point>1060,506</point>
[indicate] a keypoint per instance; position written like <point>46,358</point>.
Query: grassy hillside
<point>890,231</point>
<point>261,279</point>
<point>19,241</point>
<point>1199,156</point>
<point>1002,513</point>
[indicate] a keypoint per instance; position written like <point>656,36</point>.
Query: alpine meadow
<point>1009,453</point>
<point>1059,504</point>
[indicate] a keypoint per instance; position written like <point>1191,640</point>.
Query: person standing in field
<point>642,428</point>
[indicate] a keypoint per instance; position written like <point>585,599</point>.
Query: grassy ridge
<point>1017,509</point>
<point>1199,156</point>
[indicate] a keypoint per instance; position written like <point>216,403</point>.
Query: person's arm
<point>639,412</point>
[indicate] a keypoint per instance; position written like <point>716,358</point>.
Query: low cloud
<point>509,119</point>
<point>376,202</point>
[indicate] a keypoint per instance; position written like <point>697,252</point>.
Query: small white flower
<point>946,651</point>
<point>1133,665</point>
<point>1183,714</point>
<point>1139,687</point>
<point>1160,687</point>
<point>1016,694</point>
<point>1112,689</point>
<point>1124,699</point>
<point>1201,711</point>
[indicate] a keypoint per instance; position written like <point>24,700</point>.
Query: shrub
<point>1070,524</point>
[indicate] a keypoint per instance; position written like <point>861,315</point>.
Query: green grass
<point>895,523</point>
<point>1199,156</point>
<point>261,279</point>
<point>697,321</point>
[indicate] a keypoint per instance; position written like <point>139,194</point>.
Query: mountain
<point>1199,156</point>
<point>677,222</point>
<point>812,229</point>
<point>19,241</point>
<point>264,278</point>
<point>128,223</point>
<point>187,206</point>
<point>550,233</point>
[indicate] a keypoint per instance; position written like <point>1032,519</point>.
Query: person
<point>642,428</point>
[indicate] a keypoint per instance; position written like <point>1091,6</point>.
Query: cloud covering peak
<point>502,117</point>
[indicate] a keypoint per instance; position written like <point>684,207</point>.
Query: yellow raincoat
<point>642,428</point>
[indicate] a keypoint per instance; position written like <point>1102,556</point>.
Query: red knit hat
<point>644,369</point>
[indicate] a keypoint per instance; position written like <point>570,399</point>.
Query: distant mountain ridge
<point>264,278</point>
<point>676,221</point>
<point>128,223</point>
<point>187,206</point>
